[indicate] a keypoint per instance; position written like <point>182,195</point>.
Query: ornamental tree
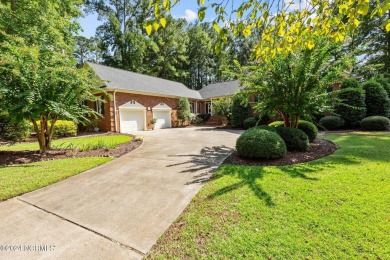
<point>43,85</point>
<point>223,107</point>
<point>294,85</point>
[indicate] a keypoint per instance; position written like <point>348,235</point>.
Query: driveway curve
<point>120,209</point>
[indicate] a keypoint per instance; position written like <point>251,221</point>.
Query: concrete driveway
<point>117,210</point>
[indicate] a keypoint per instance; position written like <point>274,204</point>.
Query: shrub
<point>183,111</point>
<point>13,131</point>
<point>377,101</point>
<point>375,123</point>
<point>62,128</point>
<point>352,106</point>
<point>260,144</point>
<point>295,139</point>
<point>266,127</point>
<point>309,128</point>
<point>250,122</point>
<point>223,107</point>
<point>385,82</point>
<point>349,83</point>
<point>332,122</point>
<point>240,110</point>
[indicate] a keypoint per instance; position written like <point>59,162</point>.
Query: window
<point>192,104</point>
<point>329,90</point>
<point>208,107</point>
<point>99,106</point>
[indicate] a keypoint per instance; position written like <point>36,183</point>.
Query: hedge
<point>377,101</point>
<point>332,122</point>
<point>375,123</point>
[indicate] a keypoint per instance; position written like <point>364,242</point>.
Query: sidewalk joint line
<point>86,228</point>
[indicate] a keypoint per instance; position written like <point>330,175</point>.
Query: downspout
<point>115,117</point>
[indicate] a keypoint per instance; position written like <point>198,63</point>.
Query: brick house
<point>137,98</point>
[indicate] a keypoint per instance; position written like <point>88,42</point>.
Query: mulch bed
<point>319,148</point>
<point>21,157</point>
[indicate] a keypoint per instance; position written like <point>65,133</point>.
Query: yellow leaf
<point>216,27</point>
<point>156,25</point>
<point>163,22</point>
<point>247,31</point>
<point>343,8</point>
<point>356,22</point>
<point>387,27</point>
<point>201,14</point>
<point>148,29</point>
<point>310,44</point>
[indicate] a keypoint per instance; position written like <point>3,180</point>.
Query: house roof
<point>130,81</point>
<point>118,79</point>
<point>220,89</point>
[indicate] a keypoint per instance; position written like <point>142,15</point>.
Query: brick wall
<point>108,122</point>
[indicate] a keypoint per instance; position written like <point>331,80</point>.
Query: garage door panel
<point>131,121</point>
<point>163,119</point>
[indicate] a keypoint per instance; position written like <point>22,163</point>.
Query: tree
<point>288,26</point>
<point>122,31</point>
<point>166,55</point>
<point>294,85</point>
<point>223,107</point>
<point>183,110</point>
<point>87,49</point>
<point>372,41</point>
<point>39,80</point>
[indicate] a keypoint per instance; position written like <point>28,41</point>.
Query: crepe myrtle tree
<point>43,85</point>
<point>294,85</point>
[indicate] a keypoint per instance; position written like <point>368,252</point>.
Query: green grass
<point>18,179</point>
<point>82,143</point>
<point>337,207</point>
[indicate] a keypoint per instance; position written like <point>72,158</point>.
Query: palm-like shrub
<point>260,144</point>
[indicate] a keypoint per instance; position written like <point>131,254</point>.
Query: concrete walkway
<point>117,210</point>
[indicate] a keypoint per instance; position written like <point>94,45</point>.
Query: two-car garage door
<point>132,117</point>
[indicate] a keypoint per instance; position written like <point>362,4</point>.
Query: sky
<point>184,9</point>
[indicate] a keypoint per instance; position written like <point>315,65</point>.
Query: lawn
<point>18,179</point>
<point>82,143</point>
<point>333,208</point>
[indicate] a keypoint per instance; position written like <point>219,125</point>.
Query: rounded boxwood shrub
<point>332,122</point>
<point>377,101</point>
<point>309,128</point>
<point>260,144</point>
<point>295,139</point>
<point>352,106</point>
<point>266,127</point>
<point>375,123</point>
<point>250,122</point>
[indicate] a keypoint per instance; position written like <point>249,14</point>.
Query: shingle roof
<point>126,80</point>
<point>220,89</point>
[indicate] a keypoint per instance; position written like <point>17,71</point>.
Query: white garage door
<point>163,119</point>
<point>132,120</point>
